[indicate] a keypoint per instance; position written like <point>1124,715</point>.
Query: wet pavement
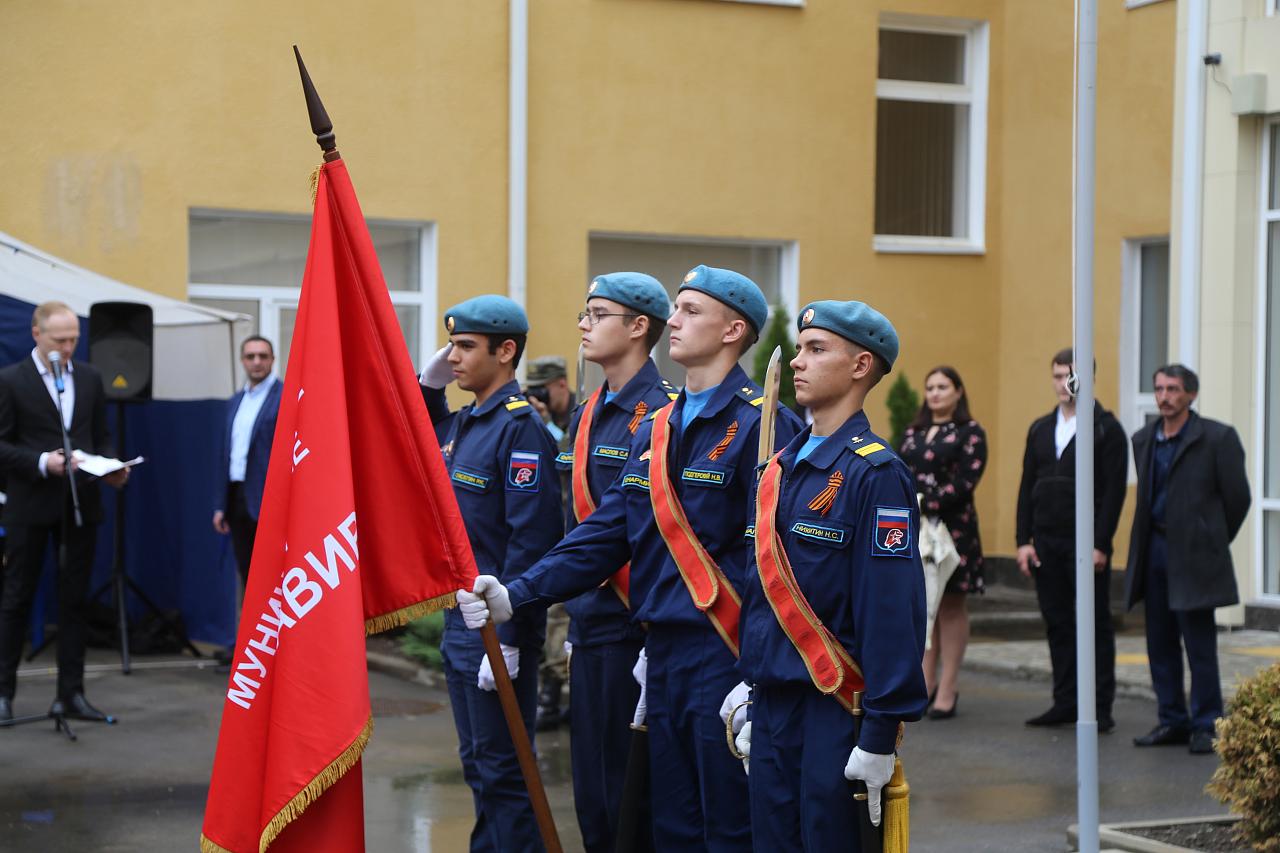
<point>980,781</point>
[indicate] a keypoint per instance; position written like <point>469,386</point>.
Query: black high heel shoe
<point>936,714</point>
<point>933,694</point>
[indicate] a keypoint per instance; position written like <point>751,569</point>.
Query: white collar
<point>40,368</point>
<point>261,386</point>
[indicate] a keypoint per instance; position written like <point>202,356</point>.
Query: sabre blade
<point>582,374</point>
<point>769,408</point>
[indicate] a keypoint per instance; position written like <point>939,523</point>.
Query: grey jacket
<point>1207,501</point>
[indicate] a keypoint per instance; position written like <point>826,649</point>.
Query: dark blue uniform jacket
<point>864,582</point>
<point>598,616</point>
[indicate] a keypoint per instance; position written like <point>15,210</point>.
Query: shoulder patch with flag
<point>523,470</point>
<point>892,534</point>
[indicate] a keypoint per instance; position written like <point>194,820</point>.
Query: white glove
<point>736,697</point>
<point>487,600</point>
<point>438,372</point>
<point>568,651</point>
<point>510,656</point>
<point>743,743</point>
<point>874,769</point>
<point>640,672</point>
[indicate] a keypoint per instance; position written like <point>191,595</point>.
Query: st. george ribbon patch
<point>892,535</point>
<point>523,472</point>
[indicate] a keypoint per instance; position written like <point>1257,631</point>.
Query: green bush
<point>778,334</point>
<point>421,639</point>
<point>903,403</point>
<point>1248,779</point>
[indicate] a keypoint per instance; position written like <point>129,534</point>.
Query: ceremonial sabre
<point>768,421</point>
<point>582,375</point>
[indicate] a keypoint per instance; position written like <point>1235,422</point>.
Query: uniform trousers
<point>25,549</point>
<point>602,701</point>
<point>699,790</point>
<point>504,816</point>
<point>1056,592</point>
<point>800,800</point>
<point>1198,634</point>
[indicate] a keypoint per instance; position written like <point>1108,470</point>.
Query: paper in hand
<point>101,466</point>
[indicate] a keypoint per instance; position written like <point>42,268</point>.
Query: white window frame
<point>972,92</point>
<point>1138,4</point>
<point>1264,505</point>
<point>272,298</point>
<point>1273,7</point>
<point>795,3</point>
<point>1135,405</point>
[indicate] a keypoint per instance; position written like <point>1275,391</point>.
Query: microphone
<point>55,365</point>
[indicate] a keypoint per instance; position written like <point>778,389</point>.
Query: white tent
<point>194,346</point>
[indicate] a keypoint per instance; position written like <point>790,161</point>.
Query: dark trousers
<point>244,528</point>
<point>1168,631</point>
<point>602,702</point>
<point>800,800</point>
<point>504,816</point>
<point>1056,592</point>
<point>24,559</point>
<point>700,799</point>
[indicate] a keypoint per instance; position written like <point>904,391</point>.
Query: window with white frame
<point>253,263</point>
<point>931,135</point>
<point>1144,332</point>
<point>772,264</point>
<point>1268,443</point>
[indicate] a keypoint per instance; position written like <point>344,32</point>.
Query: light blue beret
<point>487,315</point>
<point>637,291</point>
<point>853,321</point>
<point>733,289</point>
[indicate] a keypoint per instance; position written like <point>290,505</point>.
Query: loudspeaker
<point>120,337</point>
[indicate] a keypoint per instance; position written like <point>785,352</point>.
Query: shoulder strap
<point>708,587</point>
<point>583,503</point>
<point>833,670</point>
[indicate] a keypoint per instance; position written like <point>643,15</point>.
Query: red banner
<point>359,532</point>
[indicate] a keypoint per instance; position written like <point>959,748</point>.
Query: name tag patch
<point>522,473</point>
<point>635,481</point>
<point>819,533</point>
<point>704,477</point>
<point>611,454</point>
<point>471,480</point>
<point>750,532</point>
<point>892,534</point>
<point>565,459</point>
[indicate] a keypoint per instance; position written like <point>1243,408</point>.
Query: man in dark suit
<point>1193,495</point>
<point>39,507</point>
<point>246,449</point>
<point>1046,541</point>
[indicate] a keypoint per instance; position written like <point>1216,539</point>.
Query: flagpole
<point>1086,698</point>
<point>323,129</point>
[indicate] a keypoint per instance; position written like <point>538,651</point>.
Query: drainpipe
<point>1189,191</point>
<point>518,155</point>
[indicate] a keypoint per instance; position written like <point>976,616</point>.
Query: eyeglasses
<point>596,316</point>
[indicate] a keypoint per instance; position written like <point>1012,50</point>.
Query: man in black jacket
<point>1046,541</point>
<point>1193,495</point>
<point>39,507</point>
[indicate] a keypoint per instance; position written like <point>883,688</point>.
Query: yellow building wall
<point>669,117</point>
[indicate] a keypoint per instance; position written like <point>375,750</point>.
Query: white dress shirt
<point>1063,432</point>
<point>242,426</point>
<point>68,396</point>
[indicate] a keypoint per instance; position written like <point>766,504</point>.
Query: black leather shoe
<point>1055,716</point>
<point>1201,743</point>
<point>1166,736</point>
<point>945,714</point>
<point>6,709</point>
<point>76,707</point>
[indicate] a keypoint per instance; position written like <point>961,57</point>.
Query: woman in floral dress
<point>946,450</point>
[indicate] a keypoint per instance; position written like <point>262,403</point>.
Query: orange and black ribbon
<point>831,667</point>
<point>708,587</point>
<point>719,449</point>
<point>642,409</point>
<point>825,499</point>
<point>583,504</point>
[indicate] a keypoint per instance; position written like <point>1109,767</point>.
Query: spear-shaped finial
<point>321,126</point>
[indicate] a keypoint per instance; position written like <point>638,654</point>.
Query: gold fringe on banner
<point>207,846</point>
<point>405,615</point>
<point>317,786</point>
<point>897,811</point>
<point>315,184</point>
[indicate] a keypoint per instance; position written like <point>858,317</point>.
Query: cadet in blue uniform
<point>700,797</point>
<point>847,520</point>
<point>625,318</point>
<point>501,463</point>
